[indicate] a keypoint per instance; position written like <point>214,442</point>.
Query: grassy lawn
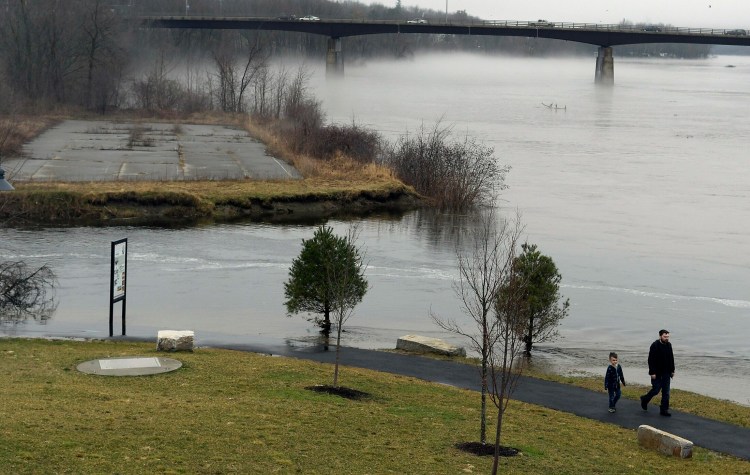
<point>233,412</point>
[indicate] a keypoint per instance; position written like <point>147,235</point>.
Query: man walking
<point>661,370</point>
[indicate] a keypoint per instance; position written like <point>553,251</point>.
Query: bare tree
<point>484,267</point>
<point>303,115</point>
<point>281,84</point>
<point>104,58</point>
<point>342,278</point>
<point>234,81</point>
<point>156,91</point>
<point>507,348</point>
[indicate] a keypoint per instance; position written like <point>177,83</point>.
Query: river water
<point>638,192</point>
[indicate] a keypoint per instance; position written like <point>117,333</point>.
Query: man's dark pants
<point>660,383</point>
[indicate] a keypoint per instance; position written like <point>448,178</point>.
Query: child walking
<point>612,381</point>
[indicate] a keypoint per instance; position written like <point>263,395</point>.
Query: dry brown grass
<point>16,131</point>
<point>325,184</point>
<point>338,168</point>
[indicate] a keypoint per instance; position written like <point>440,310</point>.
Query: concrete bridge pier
<point>605,67</point>
<point>334,58</point>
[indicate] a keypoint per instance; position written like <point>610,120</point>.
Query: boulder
<point>664,442</point>
<point>175,340</point>
<point>423,344</point>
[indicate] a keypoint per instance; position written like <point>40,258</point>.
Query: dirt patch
<point>341,391</point>
<point>482,450</point>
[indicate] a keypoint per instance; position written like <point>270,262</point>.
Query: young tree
<point>325,277</point>
<point>544,311</point>
<point>507,346</point>
<point>483,268</point>
<point>344,276</point>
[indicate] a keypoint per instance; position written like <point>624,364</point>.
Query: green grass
<point>234,412</point>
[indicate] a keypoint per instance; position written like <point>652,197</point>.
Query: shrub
<point>456,175</point>
<point>353,141</point>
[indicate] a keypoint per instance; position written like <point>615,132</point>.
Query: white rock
<point>175,340</point>
<point>664,442</point>
<point>423,344</point>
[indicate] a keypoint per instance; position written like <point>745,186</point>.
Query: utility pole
<point>446,12</point>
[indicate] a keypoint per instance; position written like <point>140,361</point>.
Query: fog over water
<point>639,193</point>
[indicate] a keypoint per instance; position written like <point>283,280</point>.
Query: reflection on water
<point>27,292</point>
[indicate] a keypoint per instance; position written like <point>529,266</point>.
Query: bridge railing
<point>491,23</point>
<point>612,27</point>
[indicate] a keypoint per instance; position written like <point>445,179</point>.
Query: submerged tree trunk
<point>528,339</point>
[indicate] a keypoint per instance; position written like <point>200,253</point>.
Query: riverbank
<point>186,203</point>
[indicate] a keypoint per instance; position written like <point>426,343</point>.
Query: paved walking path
<point>707,433</point>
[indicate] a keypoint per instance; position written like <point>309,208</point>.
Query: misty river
<point>638,192</point>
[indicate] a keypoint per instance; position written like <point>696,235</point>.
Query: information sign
<point>118,280</point>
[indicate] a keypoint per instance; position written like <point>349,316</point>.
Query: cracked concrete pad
<point>77,150</point>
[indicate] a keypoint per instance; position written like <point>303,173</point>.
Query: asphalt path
<point>710,434</point>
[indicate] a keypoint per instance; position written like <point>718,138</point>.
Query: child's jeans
<point>614,396</point>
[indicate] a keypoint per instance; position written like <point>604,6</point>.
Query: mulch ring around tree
<point>478,448</point>
<point>340,391</point>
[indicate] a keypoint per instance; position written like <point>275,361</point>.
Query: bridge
<point>602,35</point>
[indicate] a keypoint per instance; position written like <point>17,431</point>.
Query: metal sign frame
<point>117,280</point>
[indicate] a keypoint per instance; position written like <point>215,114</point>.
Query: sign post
<point>117,280</point>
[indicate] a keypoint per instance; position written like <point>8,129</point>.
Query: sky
<point>683,13</point>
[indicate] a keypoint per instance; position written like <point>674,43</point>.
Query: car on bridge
<point>287,17</point>
<point>736,32</point>
<point>652,28</point>
<point>308,18</point>
<point>541,22</point>
<point>417,21</point>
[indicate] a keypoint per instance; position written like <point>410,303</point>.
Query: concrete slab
<point>129,366</point>
<point>77,150</point>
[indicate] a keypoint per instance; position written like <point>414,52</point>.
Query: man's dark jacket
<point>660,358</point>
